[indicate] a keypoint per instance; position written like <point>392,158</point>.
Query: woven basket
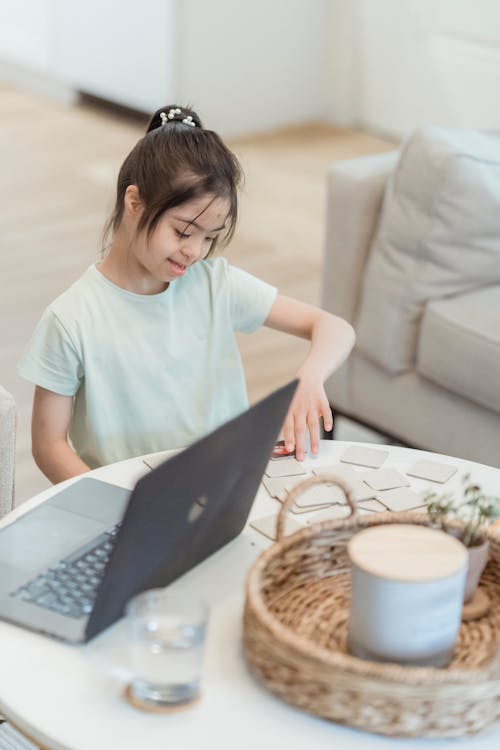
<point>295,632</point>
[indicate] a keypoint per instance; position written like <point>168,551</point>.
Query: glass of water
<point>168,635</point>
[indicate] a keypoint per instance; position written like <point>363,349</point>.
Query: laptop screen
<point>189,506</point>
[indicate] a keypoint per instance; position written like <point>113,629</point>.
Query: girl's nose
<point>191,249</point>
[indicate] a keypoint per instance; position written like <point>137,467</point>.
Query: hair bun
<point>173,113</point>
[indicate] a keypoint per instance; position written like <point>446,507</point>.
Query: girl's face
<point>182,236</point>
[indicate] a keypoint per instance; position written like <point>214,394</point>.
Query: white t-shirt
<point>148,372</point>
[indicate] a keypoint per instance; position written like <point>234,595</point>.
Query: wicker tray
<point>295,628</point>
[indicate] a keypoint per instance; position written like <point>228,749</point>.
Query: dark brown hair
<point>173,163</point>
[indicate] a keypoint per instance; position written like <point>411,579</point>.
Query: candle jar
<point>407,591</point>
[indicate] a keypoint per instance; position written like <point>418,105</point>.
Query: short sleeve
<point>51,360</point>
<point>251,300</point>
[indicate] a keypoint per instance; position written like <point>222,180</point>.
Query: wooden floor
<point>59,166</point>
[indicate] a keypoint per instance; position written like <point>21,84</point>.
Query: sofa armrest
<point>354,195</point>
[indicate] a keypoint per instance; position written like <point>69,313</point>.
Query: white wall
<point>343,95</point>
<point>116,49</point>
<point>251,65</point>
<point>246,65</point>
<point>25,32</point>
<point>411,62</point>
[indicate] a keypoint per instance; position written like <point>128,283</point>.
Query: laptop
<point>69,566</point>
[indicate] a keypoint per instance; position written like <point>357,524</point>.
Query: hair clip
<point>173,114</point>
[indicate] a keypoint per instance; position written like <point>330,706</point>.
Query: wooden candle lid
<point>406,552</point>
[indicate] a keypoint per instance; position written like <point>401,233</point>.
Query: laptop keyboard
<point>70,587</point>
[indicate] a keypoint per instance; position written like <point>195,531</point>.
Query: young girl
<point>139,355</point>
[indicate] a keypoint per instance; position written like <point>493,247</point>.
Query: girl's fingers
<point>288,433</point>
<point>300,437</point>
<point>327,415</point>
<point>303,421</point>
<point>300,445</point>
<point>314,434</point>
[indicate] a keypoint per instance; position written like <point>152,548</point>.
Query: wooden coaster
<point>156,709</point>
<point>477,607</point>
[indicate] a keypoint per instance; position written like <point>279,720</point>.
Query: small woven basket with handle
<point>295,633</point>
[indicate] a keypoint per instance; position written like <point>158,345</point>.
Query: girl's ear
<point>132,202</point>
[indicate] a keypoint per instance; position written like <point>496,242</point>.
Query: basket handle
<point>311,482</point>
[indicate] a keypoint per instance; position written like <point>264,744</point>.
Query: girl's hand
<point>308,405</point>
<point>332,338</point>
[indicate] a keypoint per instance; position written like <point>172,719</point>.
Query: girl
<point>139,355</point>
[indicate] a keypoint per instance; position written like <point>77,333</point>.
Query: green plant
<point>474,508</point>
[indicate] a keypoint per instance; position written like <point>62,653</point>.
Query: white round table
<point>70,698</point>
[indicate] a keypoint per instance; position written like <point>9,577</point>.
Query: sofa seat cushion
<point>459,347</point>
<point>438,236</point>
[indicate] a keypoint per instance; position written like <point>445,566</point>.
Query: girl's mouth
<point>177,268</point>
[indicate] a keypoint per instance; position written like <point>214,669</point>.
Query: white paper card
<point>374,506</point>
<point>385,479</point>
<point>275,486</point>
<point>402,498</point>
<point>433,470</point>
<point>279,487</point>
<point>287,467</point>
<point>299,509</point>
<point>357,454</point>
<point>364,512</point>
<point>267,526</point>
<point>322,494</point>
<point>345,472</point>
<point>333,513</point>
<point>360,489</point>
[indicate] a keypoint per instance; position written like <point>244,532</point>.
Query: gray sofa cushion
<point>439,235</point>
<point>459,346</point>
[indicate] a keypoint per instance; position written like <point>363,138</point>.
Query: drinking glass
<point>168,635</point>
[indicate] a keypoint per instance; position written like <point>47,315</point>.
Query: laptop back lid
<point>189,507</point>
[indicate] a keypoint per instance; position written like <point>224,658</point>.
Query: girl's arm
<point>332,339</point>
<point>49,436</point>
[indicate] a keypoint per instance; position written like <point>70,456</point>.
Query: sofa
<point>412,260</point>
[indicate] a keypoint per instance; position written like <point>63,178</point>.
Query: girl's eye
<point>181,235</point>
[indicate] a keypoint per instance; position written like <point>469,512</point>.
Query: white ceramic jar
<point>407,590</point>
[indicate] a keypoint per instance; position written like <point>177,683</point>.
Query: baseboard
<point>38,83</point>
